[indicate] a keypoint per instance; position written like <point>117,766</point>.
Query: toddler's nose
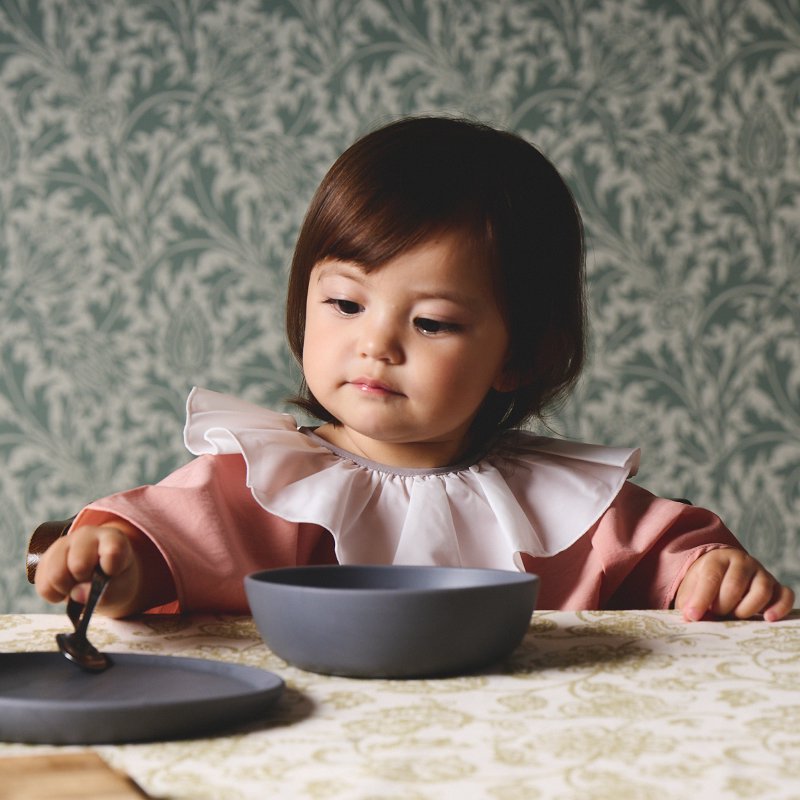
<point>380,341</point>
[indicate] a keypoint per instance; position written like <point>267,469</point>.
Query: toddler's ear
<point>508,380</point>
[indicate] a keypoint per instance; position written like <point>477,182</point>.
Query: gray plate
<point>45,699</point>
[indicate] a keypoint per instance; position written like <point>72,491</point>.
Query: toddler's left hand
<point>729,582</point>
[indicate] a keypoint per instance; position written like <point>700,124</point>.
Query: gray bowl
<point>391,621</point>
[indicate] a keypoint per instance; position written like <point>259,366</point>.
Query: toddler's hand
<point>729,582</point>
<point>66,567</point>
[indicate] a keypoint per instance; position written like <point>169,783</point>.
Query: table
<point>624,704</point>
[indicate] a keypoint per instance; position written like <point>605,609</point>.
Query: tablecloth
<point>631,704</point>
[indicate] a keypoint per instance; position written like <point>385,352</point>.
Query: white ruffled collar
<point>530,494</point>
<point>376,466</point>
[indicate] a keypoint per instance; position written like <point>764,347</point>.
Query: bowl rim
<point>506,578</point>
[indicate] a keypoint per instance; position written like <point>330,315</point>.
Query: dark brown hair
<point>399,185</point>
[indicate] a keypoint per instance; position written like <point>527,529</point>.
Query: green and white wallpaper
<point>156,159</point>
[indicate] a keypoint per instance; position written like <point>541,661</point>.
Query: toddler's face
<point>404,356</point>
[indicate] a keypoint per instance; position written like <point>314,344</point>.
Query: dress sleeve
<point>212,533</point>
<point>664,538</point>
<point>635,556</point>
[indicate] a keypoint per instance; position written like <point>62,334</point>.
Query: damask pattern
<point>591,705</point>
<point>157,158</point>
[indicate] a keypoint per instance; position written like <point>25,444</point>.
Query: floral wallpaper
<point>156,159</point>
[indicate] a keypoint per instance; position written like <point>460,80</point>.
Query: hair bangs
<point>382,211</point>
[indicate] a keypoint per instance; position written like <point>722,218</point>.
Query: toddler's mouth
<point>370,386</point>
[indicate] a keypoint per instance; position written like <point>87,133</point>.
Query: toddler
<point>435,303</point>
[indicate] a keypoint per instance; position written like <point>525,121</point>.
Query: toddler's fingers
<point>91,546</point>
<point>736,583</point>
<point>758,596</point>
<point>70,561</point>
<point>82,554</point>
<point>114,550</point>
<point>782,605</point>
<point>105,546</point>
<point>80,592</point>
<point>701,595</point>
<point>731,582</point>
<point>53,579</point>
<point>716,583</point>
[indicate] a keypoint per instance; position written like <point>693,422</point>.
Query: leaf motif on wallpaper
<point>666,167</point>
<point>762,524</point>
<point>675,310</point>
<point>187,340</point>
<point>762,141</point>
<point>624,57</point>
<point>13,500</point>
<point>44,260</point>
<point>97,116</point>
<point>9,144</point>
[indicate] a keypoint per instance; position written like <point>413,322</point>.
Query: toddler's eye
<point>434,326</point>
<point>346,308</point>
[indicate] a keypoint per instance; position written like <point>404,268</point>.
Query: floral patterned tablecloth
<point>630,704</point>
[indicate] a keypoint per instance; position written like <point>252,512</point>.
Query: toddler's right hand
<point>66,567</point>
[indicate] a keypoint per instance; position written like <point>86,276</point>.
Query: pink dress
<point>263,493</point>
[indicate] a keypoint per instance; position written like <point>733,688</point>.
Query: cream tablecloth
<point>633,705</point>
